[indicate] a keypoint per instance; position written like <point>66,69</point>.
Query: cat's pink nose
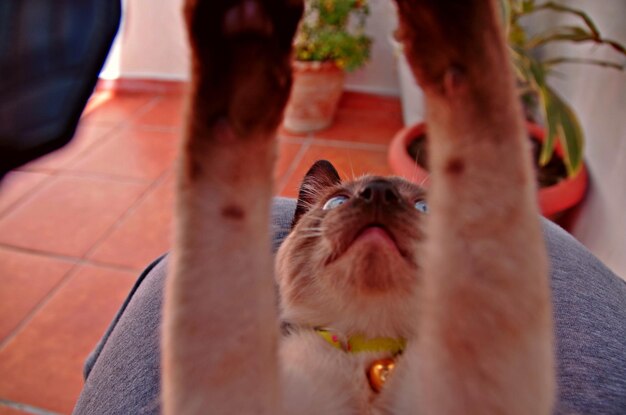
<point>380,191</point>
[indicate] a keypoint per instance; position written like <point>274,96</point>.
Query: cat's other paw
<point>436,49</point>
<point>241,58</point>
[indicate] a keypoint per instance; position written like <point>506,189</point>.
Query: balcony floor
<point>77,227</point>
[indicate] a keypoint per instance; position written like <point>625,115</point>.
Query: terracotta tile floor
<point>77,226</point>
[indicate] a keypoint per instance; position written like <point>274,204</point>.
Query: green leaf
<point>559,34</point>
<point>518,65</point>
<point>505,10</point>
<point>537,72</point>
<point>552,120</point>
<point>328,34</point>
<point>528,6</point>
<point>532,70</point>
<point>561,123</point>
<point>571,137</point>
<point>549,63</point>
<point>556,7</point>
<point>615,45</point>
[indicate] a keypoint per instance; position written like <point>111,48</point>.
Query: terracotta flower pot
<point>553,200</point>
<point>317,87</point>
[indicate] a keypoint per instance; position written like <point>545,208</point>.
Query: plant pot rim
<point>552,199</point>
<point>315,66</point>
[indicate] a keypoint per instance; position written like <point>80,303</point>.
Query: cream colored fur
<point>321,380</point>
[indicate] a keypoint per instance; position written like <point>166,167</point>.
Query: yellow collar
<point>359,343</point>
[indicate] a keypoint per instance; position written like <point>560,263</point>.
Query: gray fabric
<point>590,316</point>
<point>122,373</point>
<point>122,376</point>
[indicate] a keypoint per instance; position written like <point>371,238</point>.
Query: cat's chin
<point>375,235</point>
<point>374,238</point>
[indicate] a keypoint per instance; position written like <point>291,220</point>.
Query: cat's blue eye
<point>421,206</point>
<point>335,201</point>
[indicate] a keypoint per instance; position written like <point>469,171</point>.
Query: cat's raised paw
<point>247,17</point>
<point>209,22</point>
<point>241,60</point>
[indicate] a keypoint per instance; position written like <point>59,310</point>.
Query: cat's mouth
<point>375,234</point>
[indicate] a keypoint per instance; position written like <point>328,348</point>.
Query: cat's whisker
<point>424,180</point>
<point>311,232</point>
<point>414,173</point>
<point>310,229</point>
<point>351,167</point>
<point>311,236</point>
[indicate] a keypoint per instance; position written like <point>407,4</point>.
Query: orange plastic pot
<point>552,200</point>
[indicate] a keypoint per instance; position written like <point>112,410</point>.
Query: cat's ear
<point>320,177</point>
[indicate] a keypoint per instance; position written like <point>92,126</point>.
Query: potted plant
<point>558,145</point>
<point>329,42</point>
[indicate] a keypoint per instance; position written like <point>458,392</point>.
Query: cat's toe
<point>248,16</point>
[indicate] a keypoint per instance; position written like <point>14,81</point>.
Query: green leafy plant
<point>333,31</point>
<point>532,71</point>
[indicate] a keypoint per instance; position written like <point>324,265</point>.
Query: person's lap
<point>123,373</point>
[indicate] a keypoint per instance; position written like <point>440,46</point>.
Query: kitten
<point>387,312</point>
<point>348,275</point>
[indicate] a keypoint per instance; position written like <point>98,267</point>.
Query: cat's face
<point>351,262</point>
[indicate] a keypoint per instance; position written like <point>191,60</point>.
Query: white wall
<point>379,75</point>
<point>599,98</point>
<point>151,44</point>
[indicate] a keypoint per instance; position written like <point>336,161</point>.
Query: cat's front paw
<point>211,22</point>
<point>241,53</point>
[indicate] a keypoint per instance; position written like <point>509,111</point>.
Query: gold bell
<point>379,372</point>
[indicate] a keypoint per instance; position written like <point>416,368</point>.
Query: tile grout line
<point>55,173</point>
<point>77,264</point>
<point>91,175</point>
<point>55,177</point>
<point>292,140</point>
<point>65,258</point>
<point>26,408</point>
<point>39,306</point>
<point>115,128</point>
<point>140,111</point>
<point>306,144</point>
<point>356,145</point>
<point>71,273</point>
<point>157,128</point>
<point>104,176</point>
<point>22,200</point>
<point>119,128</point>
<point>131,209</point>
<point>359,145</point>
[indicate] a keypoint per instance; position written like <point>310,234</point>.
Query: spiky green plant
<point>334,31</point>
<point>532,71</point>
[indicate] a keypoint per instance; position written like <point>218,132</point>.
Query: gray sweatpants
<point>122,375</point>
